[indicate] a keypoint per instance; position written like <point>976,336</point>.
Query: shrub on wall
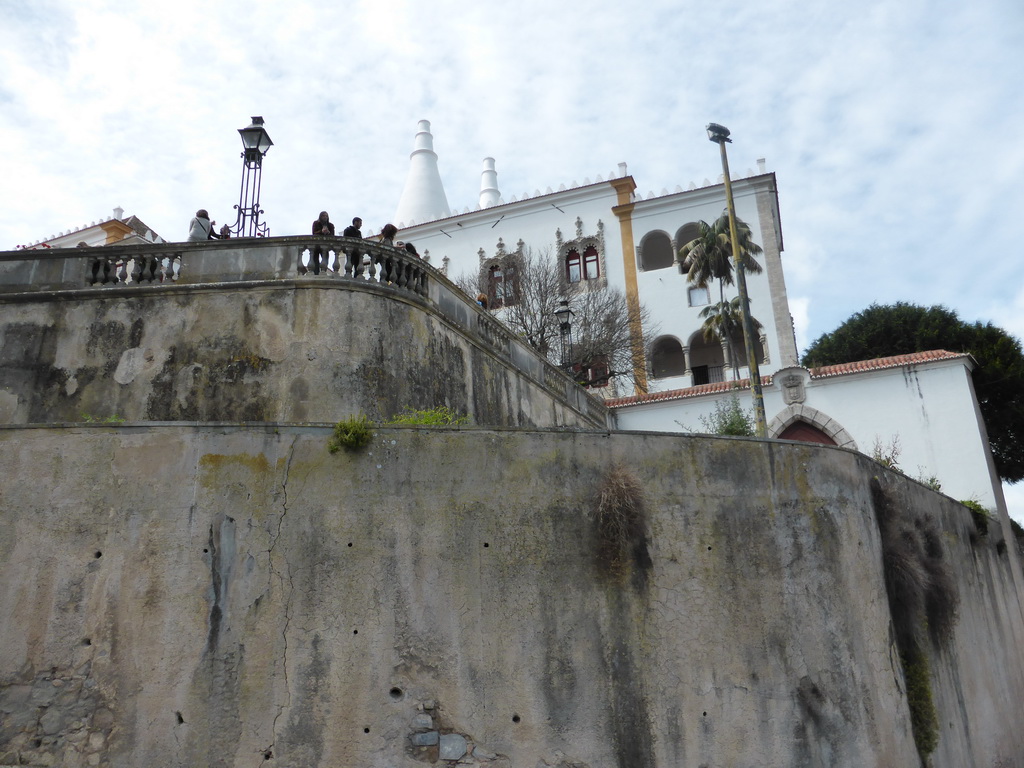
<point>439,416</point>
<point>351,434</point>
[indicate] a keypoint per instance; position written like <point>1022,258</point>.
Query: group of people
<point>323,226</point>
<point>201,228</point>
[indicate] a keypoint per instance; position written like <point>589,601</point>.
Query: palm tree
<point>709,256</point>
<point>724,321</point>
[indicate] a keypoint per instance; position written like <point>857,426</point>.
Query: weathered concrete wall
<point>237,596</point>
<point>306,349</point>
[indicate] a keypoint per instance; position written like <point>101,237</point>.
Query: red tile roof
<point>896,361</point>
<point>823,372</point>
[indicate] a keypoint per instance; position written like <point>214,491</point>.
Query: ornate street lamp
<point>255,143</point>
<point>719,134</point>
<point>564,315</point>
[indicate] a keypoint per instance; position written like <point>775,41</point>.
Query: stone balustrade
<point>150,270</point>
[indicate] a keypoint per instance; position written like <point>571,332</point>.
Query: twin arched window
<point>585,267</point>
<point>502,286</point>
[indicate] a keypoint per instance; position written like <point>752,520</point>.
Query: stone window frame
<point>506,262</point>
<point>580,244</point>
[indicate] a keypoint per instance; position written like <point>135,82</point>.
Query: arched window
<point>687,233</point>
<point>706,360</point>
<point>667,358</point>
<point>739,345</point>
<point>656,251</point>
<point>573,266</point>
<point>591,264</point>
<point>502,286</point>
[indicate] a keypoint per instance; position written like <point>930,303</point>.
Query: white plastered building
<point>605,234</point>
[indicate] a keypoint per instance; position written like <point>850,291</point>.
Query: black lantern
<point>564,315</point>
<point>255,142</point>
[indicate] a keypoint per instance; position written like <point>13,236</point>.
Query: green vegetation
<point>923,603</point>
<point>439,416</point>
<point>924,720</point>
<point>351,434</point>
<point>888,455</point>
<point>902,328</point>
<point>707,258</point>
<point>979,514</point>
<point>88,418</point>
<point>729,418</point>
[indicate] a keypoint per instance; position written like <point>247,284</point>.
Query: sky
<point>894,127</point>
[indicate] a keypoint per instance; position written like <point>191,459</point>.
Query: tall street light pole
<point>719,134</point>
<point>255,144</point>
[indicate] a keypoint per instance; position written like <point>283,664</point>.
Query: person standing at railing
<point>322,227</point>
<point>387,235</point>
<point>354,230</point>
<point>355,257</point>
<point>200,229</point>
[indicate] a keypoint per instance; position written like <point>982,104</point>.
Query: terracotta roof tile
<point>880,363</point>
<point>680,394</point>
<point>823,372</point>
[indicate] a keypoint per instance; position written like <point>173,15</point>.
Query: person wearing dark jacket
<point>324,228</point>
<point>354,230</point>
<point>323,225</point>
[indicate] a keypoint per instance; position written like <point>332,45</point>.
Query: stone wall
<point>178,595</point>
<point>194,341</point>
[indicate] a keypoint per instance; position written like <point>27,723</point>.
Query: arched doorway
<point>807,433</point>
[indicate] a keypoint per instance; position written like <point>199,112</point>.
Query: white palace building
<point>605,235</point>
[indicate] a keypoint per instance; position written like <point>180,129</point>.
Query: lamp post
<point>719,134</point>
<point>564,315</point>
<point>255,143</point>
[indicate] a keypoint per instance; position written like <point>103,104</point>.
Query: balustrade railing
<point>362,260</point>
<point>262,259</point>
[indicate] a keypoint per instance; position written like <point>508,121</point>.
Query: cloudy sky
<point>894,127</point>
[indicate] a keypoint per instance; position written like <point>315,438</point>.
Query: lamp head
<point>718,133</point>
<point>255,137</point>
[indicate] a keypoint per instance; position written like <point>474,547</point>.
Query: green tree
<point>724,321</point>
<point>708,257</point>
<point>902,328</point>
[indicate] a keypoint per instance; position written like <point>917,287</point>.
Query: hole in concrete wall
<point>709,549</point>
<point>205,551</point>
<point>350,543</point>
<point>268,755</point>
<point>355,631</point>
<point>86,641</point>
<point>703,714</point>
<point>98,554</point>
<point>366,730</point>
<point>396,693</point>
<point>516,718</point>
<point>179,718</point>
<point>486,544</point>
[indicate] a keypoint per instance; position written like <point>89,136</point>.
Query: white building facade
<point>604,235</point>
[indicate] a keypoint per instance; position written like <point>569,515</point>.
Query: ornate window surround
<point>580,244</point>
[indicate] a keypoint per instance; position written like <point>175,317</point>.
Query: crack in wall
<point>268,751</point>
